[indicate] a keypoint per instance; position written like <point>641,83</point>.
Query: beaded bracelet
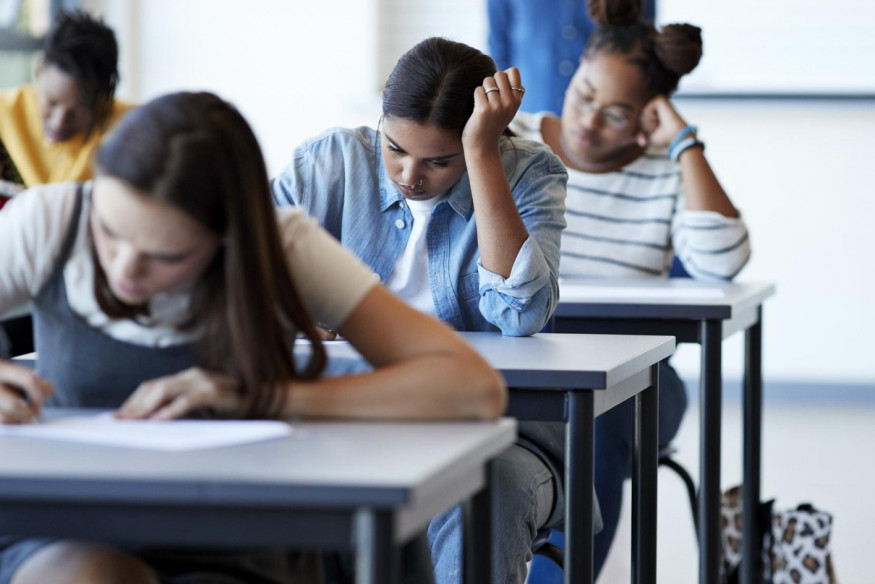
<point>681,135</point>
<point>685,144</point>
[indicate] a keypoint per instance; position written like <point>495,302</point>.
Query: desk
<point>706,321</point>
<point>367,486</point>
<point>573,379</point>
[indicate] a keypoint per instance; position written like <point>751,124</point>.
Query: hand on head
<point>22,393</point>
<point>496,103</point>
<point>193,390</point>
<point>659,123</point>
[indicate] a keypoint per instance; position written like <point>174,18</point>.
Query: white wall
<point>799,170</point>
<point>293,67</point>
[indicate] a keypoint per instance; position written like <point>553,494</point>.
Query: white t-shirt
<point>330,280</point>
<point>409,280</point>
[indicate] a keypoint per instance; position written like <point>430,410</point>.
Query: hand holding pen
<point>22,393</point>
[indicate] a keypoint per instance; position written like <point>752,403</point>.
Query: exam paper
<point>172,435</point>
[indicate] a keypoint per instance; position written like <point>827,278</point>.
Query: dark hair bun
<point>679,47</point>
<point>614,12</point>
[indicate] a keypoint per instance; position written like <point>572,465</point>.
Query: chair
<point>677,269</point>
<point>664,458</point>
<point>542,546</point>
<point>19,333</point>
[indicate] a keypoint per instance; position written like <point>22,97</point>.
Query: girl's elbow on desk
<point>489,394</point>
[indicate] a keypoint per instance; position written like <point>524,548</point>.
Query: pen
<point>28,403</point>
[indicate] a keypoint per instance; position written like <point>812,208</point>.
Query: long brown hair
<point>664,55</point>
<point>196,152</point>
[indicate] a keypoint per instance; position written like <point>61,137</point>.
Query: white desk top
<point>658,298</point>
<point>570,361</point>
<point>322,463</point>
<point>551,359</point>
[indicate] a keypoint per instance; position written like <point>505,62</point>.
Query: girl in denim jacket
<point>462,221</point>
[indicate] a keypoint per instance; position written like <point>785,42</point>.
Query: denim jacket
<point>340,179</point>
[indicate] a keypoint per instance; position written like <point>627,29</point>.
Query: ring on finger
<point>490,90</point>
<point>520,89</point>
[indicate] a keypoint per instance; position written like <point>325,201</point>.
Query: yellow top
<point>39,160</point>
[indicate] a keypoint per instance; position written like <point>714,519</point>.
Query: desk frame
<point>708,326</point>
<point>551,384</point>
<point>373,520</point>
<point>576,408</point>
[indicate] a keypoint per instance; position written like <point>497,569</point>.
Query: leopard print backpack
<point>800,546</point>
<point>795,547</point>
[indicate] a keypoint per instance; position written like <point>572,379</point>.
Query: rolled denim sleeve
<point>522,303</point>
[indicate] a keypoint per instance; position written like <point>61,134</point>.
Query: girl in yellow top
<point>50,130</point>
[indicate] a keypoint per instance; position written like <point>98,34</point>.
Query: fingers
<point>177,395</point>
<point>513,77</point>
<point>326,334</point>
<point>642,139</point>
<point>496,102</point>
<point>659,121</point>
<point>22,393</point>
<point>15,409</point>
<point>503,87</point>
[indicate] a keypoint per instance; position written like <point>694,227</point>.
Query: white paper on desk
<point>171,435</point>
<point>306,341</point>
<point>594,291</point>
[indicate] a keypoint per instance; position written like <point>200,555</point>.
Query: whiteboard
<point>779,47</point>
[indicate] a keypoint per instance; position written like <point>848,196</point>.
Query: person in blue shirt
<point>544,39</point>
<point>463,222</point>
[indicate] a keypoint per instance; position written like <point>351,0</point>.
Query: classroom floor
<point>816,448</point>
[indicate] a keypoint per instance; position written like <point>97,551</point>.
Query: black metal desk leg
<point>478,534</point>
<point>645,454</point>
<point>752,440</point>
<point>376,557</point>
<point>710,396</point>
<point>579,475</point>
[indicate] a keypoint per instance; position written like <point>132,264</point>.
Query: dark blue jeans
<point>613,465</point>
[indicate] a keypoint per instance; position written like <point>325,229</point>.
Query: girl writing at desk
<point>171,285</point>
<point>640,191</point>
<point>463,223</point>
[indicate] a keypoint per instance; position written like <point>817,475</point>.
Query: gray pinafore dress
<point>90,369</point>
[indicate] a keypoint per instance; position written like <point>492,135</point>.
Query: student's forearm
<point>500,229</point>
<point>702,190</point>
<point>430,388</point>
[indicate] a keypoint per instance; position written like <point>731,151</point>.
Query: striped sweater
<point>630,223</point>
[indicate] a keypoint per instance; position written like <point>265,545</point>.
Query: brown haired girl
<point>170,284</point>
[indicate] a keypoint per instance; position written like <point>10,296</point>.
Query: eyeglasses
<point>613,116</point>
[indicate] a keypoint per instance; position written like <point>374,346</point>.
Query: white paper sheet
<point>594,291</point>
<point>174,435</point>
